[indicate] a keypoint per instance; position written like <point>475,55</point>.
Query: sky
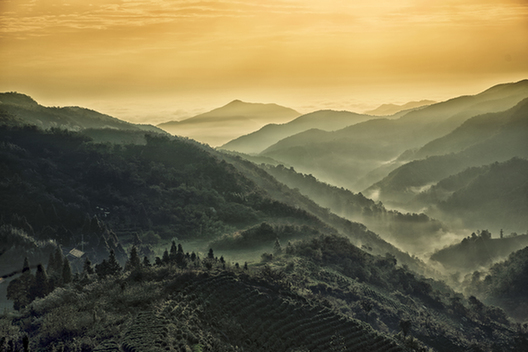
<point>159,60</point>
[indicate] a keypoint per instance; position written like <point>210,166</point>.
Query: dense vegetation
<point>322,294</point>
<point>54,183</point>
<point>479,250</point>
<point>409,231</point>
<point>505,284</point>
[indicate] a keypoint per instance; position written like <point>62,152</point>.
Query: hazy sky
<point>163,60</point>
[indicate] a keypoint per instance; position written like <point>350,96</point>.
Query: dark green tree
<point>166,258</point>
<point>210,255</point>
<point>87,268</point>
<point>51,262</point>
<point>133,262</point>
<point>405,326</point>
<point>173,252</point>
<point>277,248</point>
<point>113,265</point>
<point>146,262</point>
<point>180,257</point>
<point>59,260</point>
<point>19,289</point>
<point>66,272</point>
<point>41,286</point>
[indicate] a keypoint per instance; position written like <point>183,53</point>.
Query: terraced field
<point>259,317</point>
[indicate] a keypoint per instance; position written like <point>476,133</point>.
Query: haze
<point>154,61</point>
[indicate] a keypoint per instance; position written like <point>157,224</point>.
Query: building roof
<point>76,253</point>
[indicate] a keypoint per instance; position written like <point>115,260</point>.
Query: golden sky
<point>162,60</point>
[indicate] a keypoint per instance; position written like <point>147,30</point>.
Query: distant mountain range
<point>237,118</point>
<point>481,140</point>
<point>391,109</point>
<point>326,120</point>
<point>369,149</point>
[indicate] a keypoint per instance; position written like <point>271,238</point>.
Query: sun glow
<point>198,54</point>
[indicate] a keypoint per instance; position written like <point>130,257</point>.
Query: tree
<point>41,286</point>
<point>66,272</point>
<point>165,259</point>
<point>51,262</point>
<point>146,262</point>
<point>19,289</point>
<point>405,326</point>
<point>210,255</point>
<point>87,268</point>
<point>133,262</point>
<point>180,257</point>
<point>113,265</point>
<point>277,248</point>
<point>173,251</point>
<point>59,260</point>
<point>108,268</point>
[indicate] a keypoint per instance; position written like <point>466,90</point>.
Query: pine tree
<point>51,263</point>
<point>66,272</point>
<point>59,260</point>
<point>41,287</point>
<point>180,257</point>
<point>87,268</point>
<point>133,262</point>
<point>165,259</point>
<point>277,248</point>
<point>146,262</point>
<point>113,266</point>
<point>173,251</point>
<point>19,289</point>
<point>210,255</point>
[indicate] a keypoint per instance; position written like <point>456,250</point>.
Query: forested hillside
<point>414,232</point>
<point>320,294</point>
<point>505,284</point>
<point>16,108</point>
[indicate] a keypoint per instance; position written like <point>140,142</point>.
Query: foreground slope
<point>237,118</point>
<point>323,294</point>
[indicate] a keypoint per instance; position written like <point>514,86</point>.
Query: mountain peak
<point>15,98</point>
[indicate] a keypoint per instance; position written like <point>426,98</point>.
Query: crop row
<point>272,322</point>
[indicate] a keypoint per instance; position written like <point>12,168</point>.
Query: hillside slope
<point>504,284</point>
<point>326,120</point>
<point>413,232</point>
<point>20,108</point>
<point>323,294</point>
